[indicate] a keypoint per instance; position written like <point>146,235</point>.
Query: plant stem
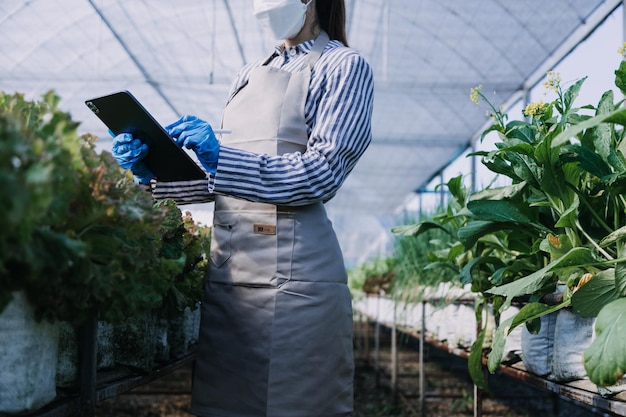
<point>593,242</point>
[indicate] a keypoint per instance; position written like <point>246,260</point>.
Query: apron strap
<point>318,47</point>
<point>314,53</point>
<point>313,56</point>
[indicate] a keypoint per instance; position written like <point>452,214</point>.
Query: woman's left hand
<point>196,134</point>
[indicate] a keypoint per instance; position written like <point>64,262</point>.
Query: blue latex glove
<point>129,152</point>
<point>196,134</point>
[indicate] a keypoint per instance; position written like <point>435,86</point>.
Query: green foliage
<point>374,277</point>
<point>78,236</point>
<point>560,221</point>
<point>185,246</point>
<point>605,359</point>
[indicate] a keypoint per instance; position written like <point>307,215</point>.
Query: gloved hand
<point>196,134</point>
<point>129,152</point>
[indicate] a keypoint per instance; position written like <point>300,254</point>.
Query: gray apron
<point>276,330</point>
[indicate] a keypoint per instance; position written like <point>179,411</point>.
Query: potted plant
<point>79,238</point>
<point>559,222</point>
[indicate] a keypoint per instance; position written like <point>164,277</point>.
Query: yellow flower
<point>475,93</point>
<point>535,109</point>
<point>553,81</point>
<point>622,50</point>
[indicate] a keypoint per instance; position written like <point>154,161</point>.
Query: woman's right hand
<point>129,153</point>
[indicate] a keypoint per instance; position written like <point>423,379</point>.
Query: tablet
<point>122,113</point>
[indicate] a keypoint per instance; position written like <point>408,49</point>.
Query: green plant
<point>560,221</point>
<point>571,167</point>
<point>184,243</point>
<point>422,260</point>
<point>78,237</point>
<point>372,277</point>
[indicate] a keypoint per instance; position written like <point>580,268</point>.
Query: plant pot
<point>28,358</point>
<point>537,349</point>
<point>67,358</point>
<point>572,335</point>
<point>556,351</point>
<point>183,332</point>
<point>611,390</point>
<point>161,340</point>
<point>463,327</point>
<point>134,343</point>
<point>105,357</point>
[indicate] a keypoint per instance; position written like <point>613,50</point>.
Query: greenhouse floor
<point>448,389</point>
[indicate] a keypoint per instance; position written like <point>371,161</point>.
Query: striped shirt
<point>338,112</point>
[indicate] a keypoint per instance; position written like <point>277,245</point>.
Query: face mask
<point>283,18</point>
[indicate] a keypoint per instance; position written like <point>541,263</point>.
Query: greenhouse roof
<point>180,57</point>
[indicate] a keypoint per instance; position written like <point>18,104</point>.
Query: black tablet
<point>122,113</point>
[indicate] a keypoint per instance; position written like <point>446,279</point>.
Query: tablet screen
<point>122,113</point>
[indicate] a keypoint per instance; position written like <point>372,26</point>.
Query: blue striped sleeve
<point>340,123</point>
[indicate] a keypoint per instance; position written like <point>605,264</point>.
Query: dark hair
<point>332,18</point>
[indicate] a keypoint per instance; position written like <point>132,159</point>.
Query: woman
<point>276,331</point>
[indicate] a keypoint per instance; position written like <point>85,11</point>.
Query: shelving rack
<point>96,386</point>
<point>581,392</point>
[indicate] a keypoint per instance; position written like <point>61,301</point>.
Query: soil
<point>448,390</point>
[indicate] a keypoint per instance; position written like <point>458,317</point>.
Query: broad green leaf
<point>620,77</point>
<point>613,237</point>
<point>618,116</point>
<point>500,166</point>
<point>616,160</point>
<point>474,230</point>
<point>499,193</point>
<point>589,299</point>
<point>521,130</point>
<point>602,133</point>
<point>475,363</point>
<point>497,345</point>
<point>501,211</point>
<point>529,284</point>
<point>556,246</point>
<point>417,229</point>
<point>552,181</point>
<point>455,186</point>
<point>587,159</point>
<point>525,168</point>
<point>532,311</point>
<point>605,358</point>
<point>466,272</point>
<point>620,270</point>
<point>572,92</point>
<point>518,147</point>
<point>569,216</point>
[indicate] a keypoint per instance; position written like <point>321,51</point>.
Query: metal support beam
<point>146,74</point>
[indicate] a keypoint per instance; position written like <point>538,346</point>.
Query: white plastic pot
<point>28,358</point>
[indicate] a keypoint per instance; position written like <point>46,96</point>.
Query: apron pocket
<point>220,244</point>
<point>243,248</point>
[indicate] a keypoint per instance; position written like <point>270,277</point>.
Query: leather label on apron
<point>264,229</point>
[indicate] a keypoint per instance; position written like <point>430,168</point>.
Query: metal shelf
<point>97,386</point>
<point>582,392</point>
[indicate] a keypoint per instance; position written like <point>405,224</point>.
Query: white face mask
<point>283,18</point>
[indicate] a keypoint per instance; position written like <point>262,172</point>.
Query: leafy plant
<point>78,237</point>
<point>184,243</point>
<point>560,221</point>
<point>374,277</point>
